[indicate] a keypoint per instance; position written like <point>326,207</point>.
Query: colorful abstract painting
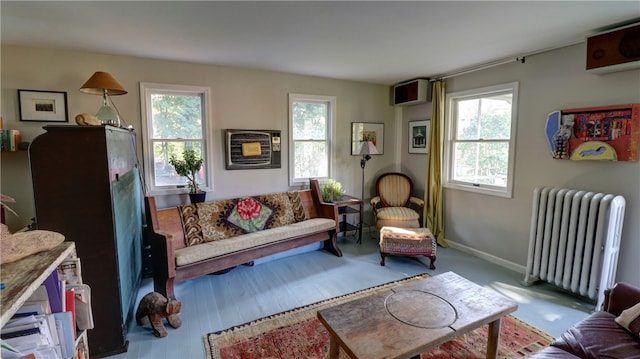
<point>610,133</point>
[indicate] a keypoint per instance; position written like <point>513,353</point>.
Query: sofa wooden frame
<point>166,235</point>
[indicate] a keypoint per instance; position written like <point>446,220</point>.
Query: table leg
<point>492,341</point>
<point>334,348</point>
<point>360,221</point>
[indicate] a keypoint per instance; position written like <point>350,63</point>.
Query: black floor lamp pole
<point>366,149</point>
<point>363,163</point>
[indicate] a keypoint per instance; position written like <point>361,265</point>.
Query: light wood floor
<point>217,302</point>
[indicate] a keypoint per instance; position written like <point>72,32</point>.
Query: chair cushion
<point>599,336</point>
<point>402,217</point>
<point>397,213</point>
<point>207,250</point>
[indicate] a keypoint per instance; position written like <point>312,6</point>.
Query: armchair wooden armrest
<point>417,201</point>
<point>419,204</point>
<point>375,202</point>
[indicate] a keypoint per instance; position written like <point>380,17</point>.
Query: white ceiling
<point>380,42</point>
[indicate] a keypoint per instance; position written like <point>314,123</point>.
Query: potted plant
<point>331,190</point>
<point>188,167</point>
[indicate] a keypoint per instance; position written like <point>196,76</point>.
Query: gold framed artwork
<point>367,131</point>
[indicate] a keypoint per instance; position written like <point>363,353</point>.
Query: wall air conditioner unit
<point>411,92</point>
<point>615,50</point>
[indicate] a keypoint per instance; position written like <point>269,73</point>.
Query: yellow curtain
<point>434,213</point>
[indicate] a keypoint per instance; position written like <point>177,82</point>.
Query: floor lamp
<point>366,150</point>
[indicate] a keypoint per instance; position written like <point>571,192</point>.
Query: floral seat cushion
<point>216,220</point>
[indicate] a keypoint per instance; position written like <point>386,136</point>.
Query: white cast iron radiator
<point>574,240</point>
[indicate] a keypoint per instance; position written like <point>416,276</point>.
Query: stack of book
<point>50,322</point>
<point>9,139</point>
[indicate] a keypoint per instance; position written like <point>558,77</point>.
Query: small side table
<point>349,205</point>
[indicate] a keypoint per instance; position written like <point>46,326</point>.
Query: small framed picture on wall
<point>43,106</point>
<point>419,136</point>
<point>367,131</point>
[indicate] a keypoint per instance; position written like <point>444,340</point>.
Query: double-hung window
<point>174,118</point>
<point>480,141</point>
<point>311,126</point>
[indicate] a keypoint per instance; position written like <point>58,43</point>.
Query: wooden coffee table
<point>408,319</point>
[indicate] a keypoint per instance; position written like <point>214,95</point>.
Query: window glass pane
<point>310,120</point>
<point>486,118</point>
<point>174,119</point>
<point>466,119</point>
<point>481,162</point>
<point>310,125</point>
<point>480,151</point>
<point>176,116</point>
<point>310,159</point>
<point>164,173</point>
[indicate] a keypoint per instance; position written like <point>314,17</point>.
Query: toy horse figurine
<point>153,307</point>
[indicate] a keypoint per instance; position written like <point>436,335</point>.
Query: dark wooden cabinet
<point>86,185</point>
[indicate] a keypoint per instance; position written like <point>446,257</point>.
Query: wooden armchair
<point>394,204</point>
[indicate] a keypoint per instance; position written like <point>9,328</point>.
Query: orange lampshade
<point>102,83</point>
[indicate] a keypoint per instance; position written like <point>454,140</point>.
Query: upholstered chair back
<point>394,189</point>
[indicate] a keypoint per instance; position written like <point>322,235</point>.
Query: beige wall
<point>240,98</point>
<point>498,228</point>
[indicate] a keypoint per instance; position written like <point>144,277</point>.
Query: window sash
<point>320,158</point>
<point>159,143</point>
<point>465,150</point>
<point>480,116</point>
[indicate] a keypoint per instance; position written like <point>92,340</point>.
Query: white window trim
<point>294,97</point>
<point>448,181</point>
<point>145,107</point>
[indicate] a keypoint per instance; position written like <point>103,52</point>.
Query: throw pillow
<point>23,244</point>
<point>630,319</point>
<point>250,215</point>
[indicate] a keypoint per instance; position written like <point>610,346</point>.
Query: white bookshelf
<point>21,279</point>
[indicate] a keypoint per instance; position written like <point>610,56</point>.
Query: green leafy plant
<point>331,190</point>
<point>188,167</point>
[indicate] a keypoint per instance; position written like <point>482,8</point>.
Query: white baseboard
<point>476,253</point>
<point>488,257</point>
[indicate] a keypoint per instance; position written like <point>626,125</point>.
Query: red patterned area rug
<point>299,334</point>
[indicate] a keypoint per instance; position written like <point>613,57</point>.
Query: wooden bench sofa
<point>174,260</point>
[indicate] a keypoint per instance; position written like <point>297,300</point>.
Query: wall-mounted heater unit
<point>615,50</point>
<point>411,92</point>
<point>252,149</point>
<point>575,240</point>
